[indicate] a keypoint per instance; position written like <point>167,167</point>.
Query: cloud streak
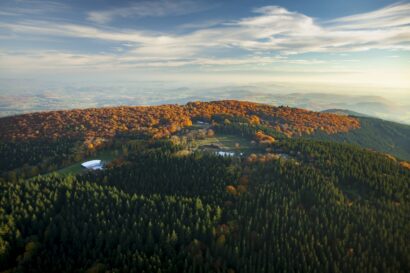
<point>391,16</point>
<point>30,8</point>
<point>153,8</point>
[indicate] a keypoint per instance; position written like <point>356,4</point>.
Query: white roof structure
<point>202,122</point>
<point>93,164</point>
<point>222,153</point>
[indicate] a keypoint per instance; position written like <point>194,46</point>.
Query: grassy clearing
<point>226,142</point>
<point>72,169</point>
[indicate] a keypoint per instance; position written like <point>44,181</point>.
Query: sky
<point>346,46</point>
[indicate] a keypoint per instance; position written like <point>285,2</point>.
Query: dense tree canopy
<point>329,208</point>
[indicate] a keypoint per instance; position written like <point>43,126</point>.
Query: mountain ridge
<point>344,112</point>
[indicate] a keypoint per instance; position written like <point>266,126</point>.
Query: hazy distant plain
<point>25,97</point>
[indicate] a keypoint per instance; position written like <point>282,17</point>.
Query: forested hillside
<point>225,192</point>
<point>333,208</point>
<point>377,134</point>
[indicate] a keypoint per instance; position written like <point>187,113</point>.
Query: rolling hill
<point>223,186</point>
<point>163,120</point>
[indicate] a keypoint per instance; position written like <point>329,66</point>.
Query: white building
<point>223,153</point>
<point>93,164</point>
<point>200,122</point>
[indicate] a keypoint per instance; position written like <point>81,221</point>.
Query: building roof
<point>223,153</point>
<point>92,164</point>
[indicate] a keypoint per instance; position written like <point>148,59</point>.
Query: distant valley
<point>96,96</point>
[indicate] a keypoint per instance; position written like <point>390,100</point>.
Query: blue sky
<point>357,44</point>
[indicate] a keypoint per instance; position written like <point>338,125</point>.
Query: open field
<point>226,143</point>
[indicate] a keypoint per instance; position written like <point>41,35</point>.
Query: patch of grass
<point>226,142</point>
<point>197,126</point>
<point>72,169</point>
